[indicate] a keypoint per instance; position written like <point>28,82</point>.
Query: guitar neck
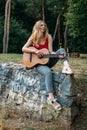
<point>50,55</point>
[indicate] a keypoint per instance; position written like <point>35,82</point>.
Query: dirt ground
<point>18,123</point>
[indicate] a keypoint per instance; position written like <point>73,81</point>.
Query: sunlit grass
<point>79,65</point>
<point>16,58</point>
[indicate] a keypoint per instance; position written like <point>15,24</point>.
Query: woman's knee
<point>61,51</point>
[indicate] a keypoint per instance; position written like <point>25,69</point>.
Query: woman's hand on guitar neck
<point>61,56</point>
<point>52,52</point>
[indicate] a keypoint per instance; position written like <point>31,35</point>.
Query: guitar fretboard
<point>50,55</point>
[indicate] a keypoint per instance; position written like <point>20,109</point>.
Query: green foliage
<point>77,18</point>
<point>18,36</point>
<point>30,128</point>
<point>20,13</point>
<point>56,6</point>
<point>24,13</point>
<point>34,7</point>
<point>2,6</point>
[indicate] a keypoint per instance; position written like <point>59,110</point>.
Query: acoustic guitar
<point>31,59</point>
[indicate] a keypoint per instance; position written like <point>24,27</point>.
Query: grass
<point>16,58</point>
<point>79,65</point>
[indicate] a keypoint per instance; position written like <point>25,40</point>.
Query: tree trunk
<point>6,26</point>
<point>59,29</point>
<point>56,27</point>
<point>65,37</point>
<point>43,12</point>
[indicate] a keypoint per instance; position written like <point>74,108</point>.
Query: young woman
<point>39,39</point>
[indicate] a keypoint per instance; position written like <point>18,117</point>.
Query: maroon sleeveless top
<point>45,45</point>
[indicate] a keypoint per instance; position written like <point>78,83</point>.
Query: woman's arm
<point>50,46</point>
<point>28,47</point>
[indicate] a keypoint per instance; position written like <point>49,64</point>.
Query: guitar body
<point>30,59</point>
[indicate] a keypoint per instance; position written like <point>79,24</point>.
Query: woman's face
<point>42,27</point>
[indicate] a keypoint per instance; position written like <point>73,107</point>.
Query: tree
<point>57,9</point>
<point>76,19</point>
<point>43,11</point>
<point>6,26</point>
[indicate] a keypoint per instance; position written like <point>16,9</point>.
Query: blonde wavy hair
<point>37,35</point>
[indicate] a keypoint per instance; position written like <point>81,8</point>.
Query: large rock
<point>24,91</point>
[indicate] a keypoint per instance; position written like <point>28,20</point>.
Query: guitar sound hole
<point>41,57</point>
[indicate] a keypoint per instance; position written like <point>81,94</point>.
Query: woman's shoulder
<point>49,36</point>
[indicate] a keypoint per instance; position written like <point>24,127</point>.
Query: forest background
<point>24,13</point>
